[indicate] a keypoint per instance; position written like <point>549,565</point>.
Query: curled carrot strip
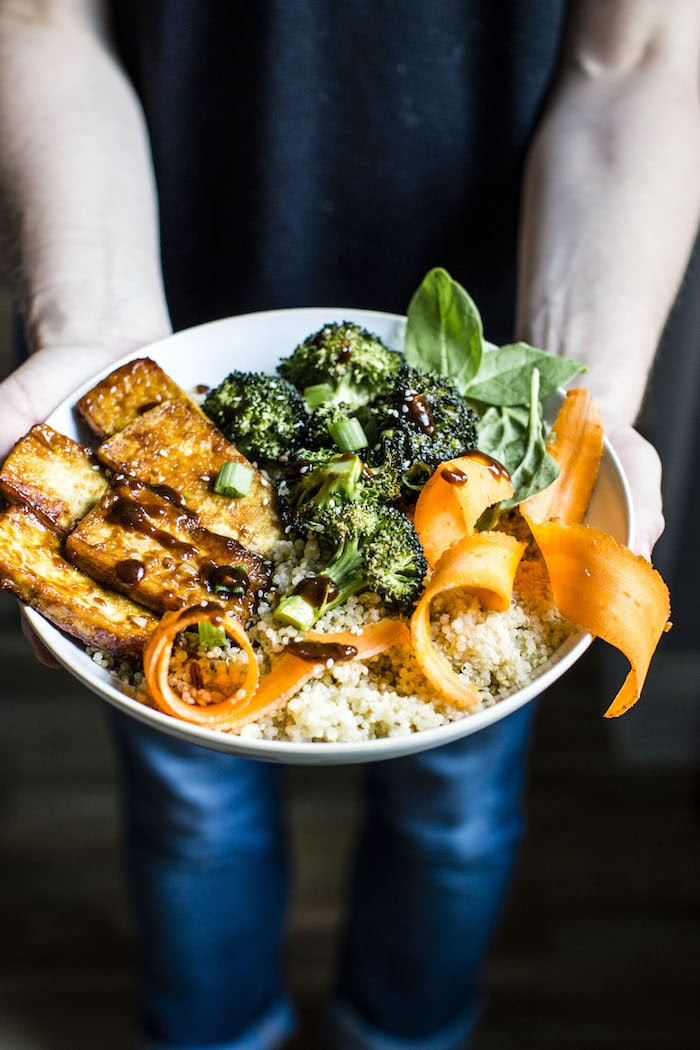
<point>156,664</point>
<point>483,564</point>
<point>576,443</point>
<point>290,672</point>
<point>611,592</point>
<point>254,698</point>
<point>454,498</point>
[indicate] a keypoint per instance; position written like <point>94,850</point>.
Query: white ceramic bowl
<point>255,342</point>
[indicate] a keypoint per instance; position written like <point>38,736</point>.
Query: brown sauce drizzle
<point>320,652</point>
<point>493,465</point>
<point>138,517</point>
<point>233,578</point>
<point>130,571</point>
<point>146,407</point>
<point>455,476</point>
<point>417,410</point>
<point>171,495</point>
<point>316,590</point>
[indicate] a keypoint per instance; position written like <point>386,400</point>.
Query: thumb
<point>40,651</point>
<point>45,379</point>
<point>642,466</point>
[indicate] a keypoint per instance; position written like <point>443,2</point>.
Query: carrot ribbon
<point>454,498</point>
<point>483,564</point>
<point>254,697</point>
<point>609,591</point>
<point>576,443</point>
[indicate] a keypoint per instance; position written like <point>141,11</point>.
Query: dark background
<point>599,946</point>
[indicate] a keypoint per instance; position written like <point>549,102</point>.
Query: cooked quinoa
<point>387,696</point>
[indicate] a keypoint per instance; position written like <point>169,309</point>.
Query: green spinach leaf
<point>515,436</point>
<point>505,374</point>
<point>502,427</point>
<point>506,385</point>
<point>444,331</point>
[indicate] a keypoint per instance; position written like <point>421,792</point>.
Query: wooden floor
<point>599,949</point>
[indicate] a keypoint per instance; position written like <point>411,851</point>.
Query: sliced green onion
<point>343,465</point>
<point>231,581</point>
<point>209,635</point>
<point>234,480</point>
<point>296,611</point>
<point>318,394</point>
<point>348,434</point>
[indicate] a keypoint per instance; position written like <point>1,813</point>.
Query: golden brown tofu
<point>57,477</point>
<point>144,543</point>
<point>126,393</point>
<point>174,445</point>
<point>33,568</point>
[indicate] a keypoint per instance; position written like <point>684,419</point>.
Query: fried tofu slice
<point>58,478</point>
<point>145,544</point>
<point>126,393</point>
<point>33,568</point>
<point>173,444</point>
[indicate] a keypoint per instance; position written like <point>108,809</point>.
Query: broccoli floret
<point>324,421</point>
<point>336,481</point>
<point>333,481</point>
<point>264,416</point>
<point>372,548</point>
<point>394,562</point>
<point>383,484</point>
<point>425,421</point>
<point>335,524</point>
<point>354,365</point>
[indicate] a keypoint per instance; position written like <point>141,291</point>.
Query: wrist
<point>56,316</point>
<point>77,291</point>
<point>616,378</point>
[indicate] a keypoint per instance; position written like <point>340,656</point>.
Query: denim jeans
<point>206,859</point>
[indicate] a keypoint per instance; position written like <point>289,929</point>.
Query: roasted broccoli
<point>313,486</point>
<point>342,362</point>
<point>424,421</point>
<point>264,416</point>
<point>371,547</point>
<point>333,480</point>
<point>334,425</point>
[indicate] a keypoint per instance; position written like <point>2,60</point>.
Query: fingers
<point>40,651</point>
<point>642,466</point>
<point>34,389</point>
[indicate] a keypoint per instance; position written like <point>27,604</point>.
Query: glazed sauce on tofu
<point>173,497</point>
<point>139,517</point>
<point>130,571</point>
<point>229,580</point>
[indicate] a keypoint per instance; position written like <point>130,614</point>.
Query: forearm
<point>76,179</point>
<point>610,208</point>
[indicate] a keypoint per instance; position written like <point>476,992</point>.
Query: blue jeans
<point>206,858</point>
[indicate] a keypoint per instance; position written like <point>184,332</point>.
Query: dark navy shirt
<point>329,152</point>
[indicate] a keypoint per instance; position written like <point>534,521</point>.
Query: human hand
<point>27,396</point>
<point>34,389</point>
<point>30,393</point>
<point>642,466</point>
